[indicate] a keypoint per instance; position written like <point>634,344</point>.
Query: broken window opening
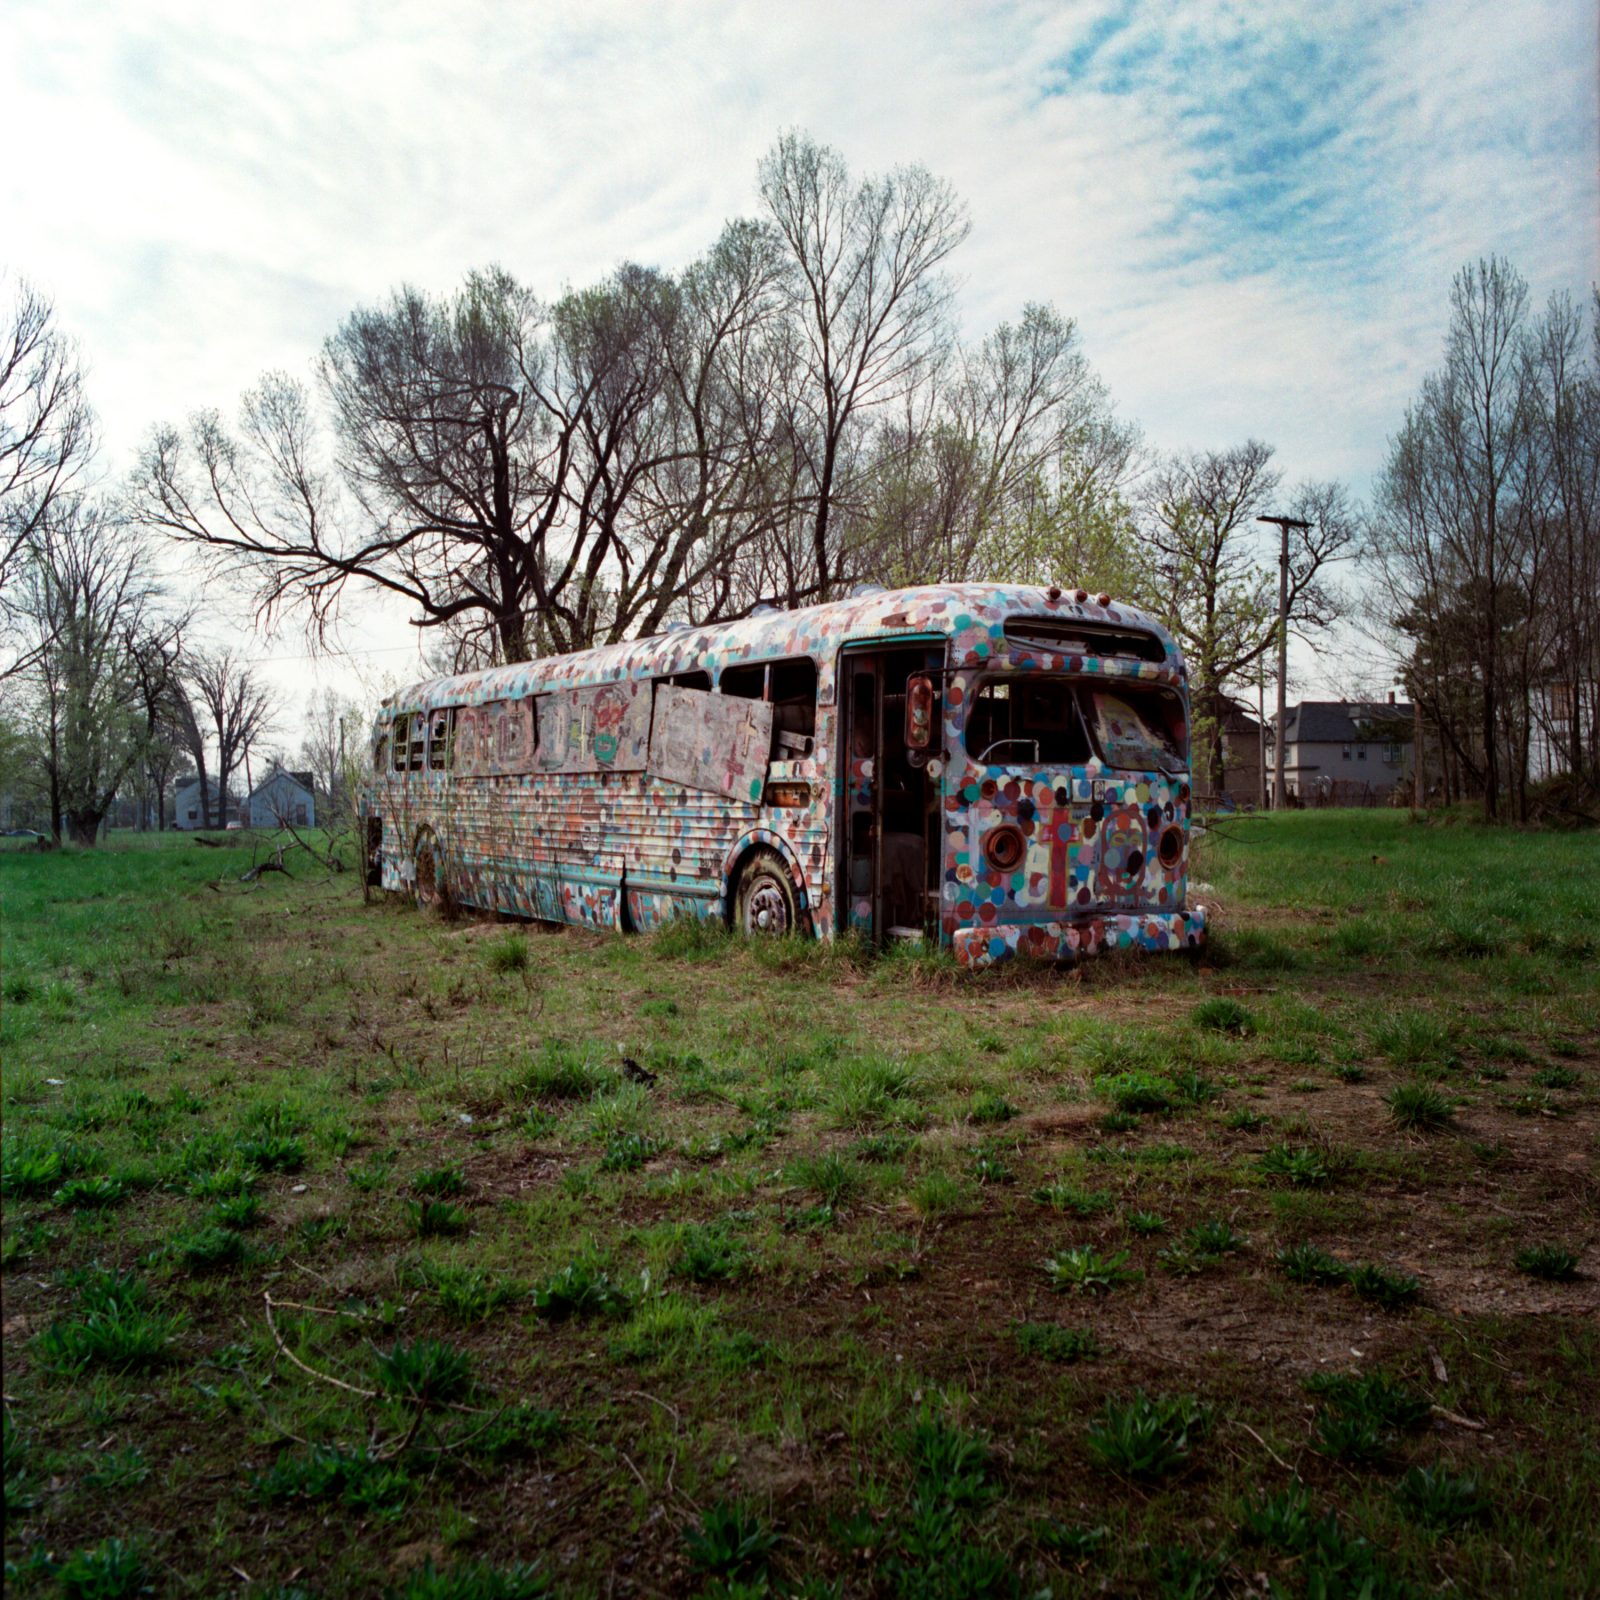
<point>441,738</point>
<point>789,686</point>
<point>410,741</point>
<point>1022,721</point>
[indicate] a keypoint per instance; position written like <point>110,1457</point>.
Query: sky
<point>1253,211</point>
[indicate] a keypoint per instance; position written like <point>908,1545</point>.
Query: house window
<point>1391,754</point>
<point>1345,752</point>
<point>1361,752</point>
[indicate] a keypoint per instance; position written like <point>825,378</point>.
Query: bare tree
<point>1217,589</point>
<point>868,301</point>
<point>100,653</point>
<point>47,435</point>
<point>982,473</point>
<point>238,706</point>
<point>1452,543</point>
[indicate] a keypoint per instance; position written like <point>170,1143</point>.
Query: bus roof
<point>972,615</point>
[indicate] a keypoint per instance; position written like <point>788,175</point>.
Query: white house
<point>1343,752</point>
<point>281,798</point>
<point>186,812</point>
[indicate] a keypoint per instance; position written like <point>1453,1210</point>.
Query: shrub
<point>93,1193</point>
<point>1081,1269</point>
<point>430,1219</point>
<point>107,1572</point>
<point>1302,1166</point>
<point>1052,1342</point>
<point>1547,1261</point>
<point>474,1580</point>
<point>1222,1015</point>
<point>115,1327</point>
<point>210,1249</point>
<point>1391,1290</point>
<point>1418,1106</point>
<point>1437,1497</point>
<point>508,953</point>
<point>730,1540</point>
<point>1137,1092</point>
<point>424,1372</point>
<point>1308,1263</point>
<point>710,1254</point>
<point>1146,1437</point>
<point>1064,1196</point>
<point>581,1289</point>
<point>442,1183</point>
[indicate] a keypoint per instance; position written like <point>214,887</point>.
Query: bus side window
<point>791,688</point>
<point>441,728</point>
<point>744,683</point>
<point>410,731</point>
<point>690,680</point>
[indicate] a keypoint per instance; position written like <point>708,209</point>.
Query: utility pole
<point>1284,525</point>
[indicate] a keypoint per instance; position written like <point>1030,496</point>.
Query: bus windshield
<point>1026,721</point>
<point>1138,730</point>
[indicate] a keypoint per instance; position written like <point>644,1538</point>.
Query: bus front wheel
<point>767,902</point>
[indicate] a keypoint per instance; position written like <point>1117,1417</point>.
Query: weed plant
<point>1146,1437</point>
<point>1081,1269</point>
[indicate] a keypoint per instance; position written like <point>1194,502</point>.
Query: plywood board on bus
<point>604,728</point>
<point>711,741</point>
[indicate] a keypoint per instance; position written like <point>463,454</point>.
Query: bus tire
<point>430,887</point>
<point>766,902</point>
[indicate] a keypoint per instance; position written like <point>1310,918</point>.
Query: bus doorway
<point>888,844</point>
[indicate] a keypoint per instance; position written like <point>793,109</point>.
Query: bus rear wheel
<point>429,886</point>
<point>766,903</point>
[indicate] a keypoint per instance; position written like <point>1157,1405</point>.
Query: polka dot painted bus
<point>1000,770</point>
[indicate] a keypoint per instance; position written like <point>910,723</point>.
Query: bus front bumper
<point>1090,936</point>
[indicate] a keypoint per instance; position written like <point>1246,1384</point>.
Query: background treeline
<point>790,415</point>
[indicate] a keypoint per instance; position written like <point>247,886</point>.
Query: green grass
<point>778,1321</point>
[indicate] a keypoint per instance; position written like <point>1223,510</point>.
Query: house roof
<point>1346,721</point>
<point>303,779</point>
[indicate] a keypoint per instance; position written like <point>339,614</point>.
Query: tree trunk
<point>83,827</point>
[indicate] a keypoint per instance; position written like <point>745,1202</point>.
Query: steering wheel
<point>983,760</point>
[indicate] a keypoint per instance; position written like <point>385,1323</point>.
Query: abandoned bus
<point>1002,770</point>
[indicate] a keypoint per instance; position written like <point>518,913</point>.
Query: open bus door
<point>889,838</point>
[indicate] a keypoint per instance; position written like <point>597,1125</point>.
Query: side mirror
<point>919,712</point>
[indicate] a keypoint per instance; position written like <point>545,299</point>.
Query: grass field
<point>350,1251</point>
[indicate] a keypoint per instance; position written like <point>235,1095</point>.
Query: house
<point>1241,753</point>
<point>1346,752</point>
<point>282,798</point>
<point>186,812</point>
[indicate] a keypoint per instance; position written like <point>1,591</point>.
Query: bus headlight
<point>1004,848</point>
<point>1169,852</point>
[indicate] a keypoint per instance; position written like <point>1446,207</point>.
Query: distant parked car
<point>234,825</point>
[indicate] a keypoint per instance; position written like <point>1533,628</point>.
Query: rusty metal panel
<point>711,741</point>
